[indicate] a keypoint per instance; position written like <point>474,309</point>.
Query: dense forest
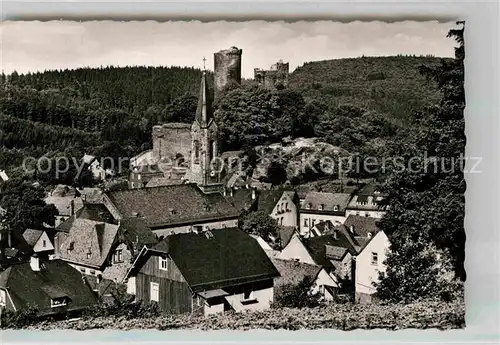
<point>358,104</point>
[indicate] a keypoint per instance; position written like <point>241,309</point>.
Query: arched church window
<point>196,151</point>
<point>213,152</point>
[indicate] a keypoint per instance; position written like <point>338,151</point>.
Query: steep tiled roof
<point>267,199</point>
<point>286,233</point>
<point>88,236</point>
<point>137,233</point>
<point>241,198</point>
<point>31,236</point>
<point>96,212</point>
<point>228,257</point>
<point>55,279</point>
<point>169,205</point>
<point>292,272</point>
<point>163,181</point>
<point>316,247</point>
<point>327,200</point>
<point>362,225</point>
<point>63,203</point>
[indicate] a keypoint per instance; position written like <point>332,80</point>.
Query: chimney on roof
<point>35,263</point>
<point>336,233</point>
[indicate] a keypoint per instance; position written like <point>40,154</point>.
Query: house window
<point>92,272</point>
<point>306,222</point>
<point>312,222</point>
<point>118,256</point>
<point>3,298</point>
<point>374,258</point>
<point>82,269</point>
<point>367,214</point>
<point>163,264</point>
<point>88,255</point>
<point>44,243</point>
<point>155,292</point>
<point>139,177</point>
<point>358,213</point>
<point>59,302</point>
<point>281,220</point>
<point>286,206</point>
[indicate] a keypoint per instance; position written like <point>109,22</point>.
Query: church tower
<point>205,146</point>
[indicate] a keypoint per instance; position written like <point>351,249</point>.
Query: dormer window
<point>163,263</point>
<point>308,206</point>
<point>336,207</point>
<point>320,207</point>
<point>58,302</point>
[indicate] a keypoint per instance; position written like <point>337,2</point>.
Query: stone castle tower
<point>205,146</point>
<point>227,69</point>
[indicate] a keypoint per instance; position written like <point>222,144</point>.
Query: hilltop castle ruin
<point>274,78</point>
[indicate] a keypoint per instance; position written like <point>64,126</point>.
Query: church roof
<point>204,111</point>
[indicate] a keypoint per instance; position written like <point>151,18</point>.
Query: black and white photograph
<point>232,175</point>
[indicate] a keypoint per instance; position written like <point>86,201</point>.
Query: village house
<point>292,272</point>
<point>93,165</point>
<point>40,241</point>
<point>370,263</point>
<point>100,249</point>
<point>141,175</point>
<point>52,287</point>
<point>173,209</point>
<point>366,202</point>
<point>334,252</point>
<point>280,205</point>
<point>319,206</point>
<point>66,200</point>
<point>204,272</point>
<point>373,248</point>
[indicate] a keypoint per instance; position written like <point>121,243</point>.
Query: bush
<point>19,319</point>
<point>299,295</point>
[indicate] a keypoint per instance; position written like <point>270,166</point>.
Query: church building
<point>183,153</point>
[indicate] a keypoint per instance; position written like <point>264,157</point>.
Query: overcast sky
<point>37,46</point>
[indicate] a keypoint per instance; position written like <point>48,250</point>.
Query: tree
<point>425,219</point>
<point>299,295</point>
<point>261,224</point>
<point>24,206</point>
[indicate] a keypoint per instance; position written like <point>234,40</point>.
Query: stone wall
<point>171,139</point>
<point>274,78</point>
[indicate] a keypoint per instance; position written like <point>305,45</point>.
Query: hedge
<point>333,316</point>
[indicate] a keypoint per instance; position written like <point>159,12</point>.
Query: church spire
<point>204,112</point>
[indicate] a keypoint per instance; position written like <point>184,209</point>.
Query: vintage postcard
<point>232,175</point>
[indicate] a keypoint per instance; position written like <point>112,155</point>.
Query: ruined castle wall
<point>275,77</point>
<point>171,139</point>
<point>227,68</point>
